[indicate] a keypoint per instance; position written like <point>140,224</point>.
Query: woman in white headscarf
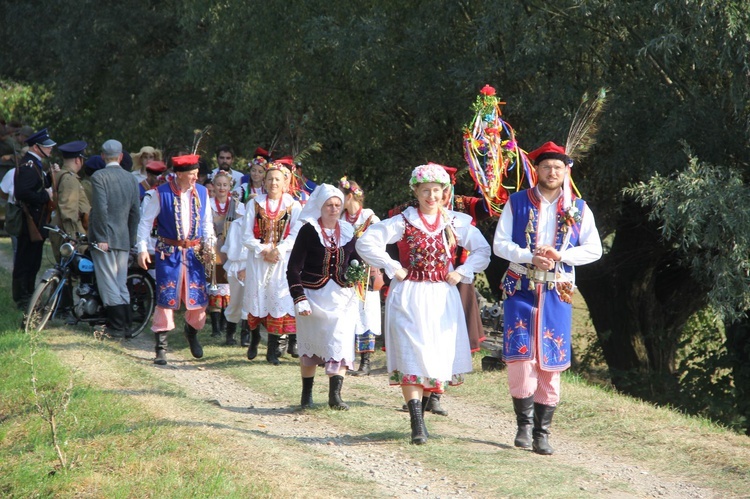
<point>325,303</point>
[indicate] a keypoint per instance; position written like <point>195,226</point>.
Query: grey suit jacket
<point>115,208</point>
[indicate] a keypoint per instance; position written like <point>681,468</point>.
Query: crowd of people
<point>309,264</point>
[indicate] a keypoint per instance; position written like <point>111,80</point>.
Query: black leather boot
<point>127,317</point>
<point>334,393</point>
<point>244,334</point>
<point>307,387</point>
<point>364,366</point>
<point>222,321</point>
<point>192,336</point>
<point>231,329</point>
<point>252,350</point>
<point>161,349</point>
<point>433,405</point>
<point>271,350</point>
<point>542,421</point>
<point>418,435</point>
<point>525,420</point>
<point>215,324</point>
<point>291,347</point>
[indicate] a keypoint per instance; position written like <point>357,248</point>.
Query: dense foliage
<point>386,85</point>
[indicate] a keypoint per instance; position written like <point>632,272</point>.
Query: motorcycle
<point>68,290</point>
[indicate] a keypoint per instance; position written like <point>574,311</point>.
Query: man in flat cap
<point>543,232</point>
<point>185,235</point>
<point>72,206</point>
<point>115,213</point>
<point>33,192</point>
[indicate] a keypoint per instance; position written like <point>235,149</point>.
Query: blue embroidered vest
<point>538,317</point>
<point>168,257</point>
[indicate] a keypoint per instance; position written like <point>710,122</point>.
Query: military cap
<point>73,149</point>
<point>41,138</point>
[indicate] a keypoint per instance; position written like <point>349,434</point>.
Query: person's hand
<point>542,262</point>
<point>103,246</point>
<point>303,308</point>
<point>144,259</point>
<point>453,278</point>
<point>50,193</point>
<point>241,275</point>
<point>548,252</point>
<point>401,274</point>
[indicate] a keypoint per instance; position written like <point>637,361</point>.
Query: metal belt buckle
<point>538,275</point>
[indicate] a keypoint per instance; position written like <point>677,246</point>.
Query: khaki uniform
<point>72,205</point>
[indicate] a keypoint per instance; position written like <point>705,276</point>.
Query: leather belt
<point>181,243</point>
<point>532,274</point>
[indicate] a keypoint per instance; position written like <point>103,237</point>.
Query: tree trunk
<point>640,298</point>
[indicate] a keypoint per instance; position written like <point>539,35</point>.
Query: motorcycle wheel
<point>142,300</point>
<point>43,302</point>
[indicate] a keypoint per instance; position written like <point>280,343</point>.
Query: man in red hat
<point>543,232</point>
<point>185,238</point>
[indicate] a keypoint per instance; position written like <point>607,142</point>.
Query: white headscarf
<point>322,193</point>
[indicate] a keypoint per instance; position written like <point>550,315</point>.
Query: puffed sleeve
<point>371,245</point>
<point>470,238</point>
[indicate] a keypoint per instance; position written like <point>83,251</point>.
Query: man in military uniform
<point>33,192</point>
<point>72,211</point>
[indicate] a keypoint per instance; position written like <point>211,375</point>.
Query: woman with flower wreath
<point>225,208</point>
<point>324,299</point>
<point>543,232</point>
<point>425,329</point>
<point>267,226</point>
<point>369,325</point>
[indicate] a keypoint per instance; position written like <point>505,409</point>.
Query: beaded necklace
<point>431,227</point>
<point>330,241</point>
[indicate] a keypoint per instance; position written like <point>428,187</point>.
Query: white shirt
<point>150,209</point>
<point>6,185</point>
<point>589,247</point>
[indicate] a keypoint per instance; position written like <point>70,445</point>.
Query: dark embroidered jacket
<point>311,265</point>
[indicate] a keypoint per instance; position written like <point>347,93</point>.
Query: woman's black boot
<point>418,435</point>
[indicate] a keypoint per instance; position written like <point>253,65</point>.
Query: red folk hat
<point>156,167</point>
<point>185,163</point>
<point>549,150</point>
<point>286,160</point>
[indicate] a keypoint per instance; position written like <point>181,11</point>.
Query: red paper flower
<point>487,90</point>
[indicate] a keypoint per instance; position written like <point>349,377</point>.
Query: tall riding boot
<point>271,349</point>
<point>307,387</point>
<point>244,334</point>
<point>20,294</point>
<point>525,420</point>
<point>542,421</point>
<point>215,324</point>
<point>434,405</point>
<point>127,320</point>
<point>192,336</point>
<point>161,348</point>
<point>364,365</point>
<point>252,350</point>
<point>223,321</point>
<point>116,321</point>
<point>291,347</point>
<point>231,329</point>
<point>334,393</point>
<point>418,435</point>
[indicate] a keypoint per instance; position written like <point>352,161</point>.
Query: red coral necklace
<point>331,241</point>
<point>431,227</point>
<point>272,214</point>
<point>219,209</point>
<point>353,219</point>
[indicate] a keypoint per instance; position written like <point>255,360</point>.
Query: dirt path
<point>390,471</point>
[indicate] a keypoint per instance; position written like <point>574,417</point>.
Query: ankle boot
<point>433,405</point>
<point>307,388</point>
<point>161,349</point>
<point>215,324</point>
<point>244,334</point>
<point>192,336</point>
<point>271,349</point>
<point>418,435</point>
<point>364,366</point>
<point>334,393</point>
<point>542,421</point>
<point>291,347</point>
<point>231,329</point>
<point>252,350</point>
<point>525,420</point>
